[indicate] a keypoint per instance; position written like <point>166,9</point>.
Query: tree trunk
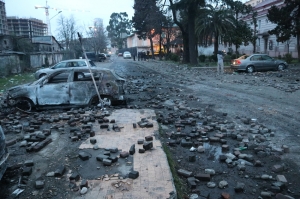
<point>191,34</point>
<point>216,44</point>
<point>298,47</point>
<point>186,57</point>
<point>151,44</point>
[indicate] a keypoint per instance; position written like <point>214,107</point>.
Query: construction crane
<point>47,7</point>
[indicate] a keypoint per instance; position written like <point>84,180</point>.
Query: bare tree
<point>97,38</point>
<point>67,31</point>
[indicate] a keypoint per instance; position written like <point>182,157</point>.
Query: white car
<point>63,64</point>
<point>127,54</point>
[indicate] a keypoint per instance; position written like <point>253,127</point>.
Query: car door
<point>54,90</point>
<point>257,62</point>
<point>268,62</point>
<point>82,89</point>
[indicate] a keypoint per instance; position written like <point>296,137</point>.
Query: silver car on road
<point>257,62</point>
<point>63,64</point>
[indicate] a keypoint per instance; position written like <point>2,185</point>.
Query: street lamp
<point>53,60</point>
<point>50,22</point>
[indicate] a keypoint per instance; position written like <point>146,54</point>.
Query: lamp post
<point>50,22</point>
<point>53,60</point>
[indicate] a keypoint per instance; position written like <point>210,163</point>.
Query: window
<point>59,78</point>
<point>258,41</point>
<point>267,20</point>
<point>5,42</point>
<point>259,24</point>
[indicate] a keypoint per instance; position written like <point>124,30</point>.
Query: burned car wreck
<point>3,153</point>
<point>67,88</point>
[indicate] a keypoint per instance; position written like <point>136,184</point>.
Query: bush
<point>202,58</point>
<point>173,57</point>
<point>234,56</point>
<point>279,57</point>
<point>288,58</point>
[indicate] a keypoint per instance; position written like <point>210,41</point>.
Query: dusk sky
<point>84,11</point>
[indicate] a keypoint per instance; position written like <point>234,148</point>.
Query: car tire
<point>281,67</point>
<point>250,69</point>
<point>42,75</point>
<point>24,104</point>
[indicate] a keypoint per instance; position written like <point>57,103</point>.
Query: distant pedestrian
<point>220,68</point>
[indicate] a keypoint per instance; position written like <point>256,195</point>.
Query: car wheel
<point>24,104</point>
<point>250,69</point>
<point>281,67</point>
<point>80,75</point>
<point>42,75</point>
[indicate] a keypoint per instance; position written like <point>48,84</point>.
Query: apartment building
<point>26,27</point>
<point>267,43</point>
<point>3,23</point>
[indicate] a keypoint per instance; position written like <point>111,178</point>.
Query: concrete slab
<point>155,179</point>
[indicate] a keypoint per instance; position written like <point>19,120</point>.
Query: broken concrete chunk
<point>192,182</point>
<point>140,141</point>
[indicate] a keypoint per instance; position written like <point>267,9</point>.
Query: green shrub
<point>288,58</point>
<point>279,57</point>
<point>173,57</point>
<point>234,56</point>
<point>202,58</point>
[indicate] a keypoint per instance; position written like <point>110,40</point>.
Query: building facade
<point>26,27</point>
<point>267,43</point>
<point>3,21</point>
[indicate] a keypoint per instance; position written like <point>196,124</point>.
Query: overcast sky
<point>87,10</point>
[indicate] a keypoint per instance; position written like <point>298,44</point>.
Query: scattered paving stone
<point>281,178</point>
<point>149,138</point>
<point>39,184</point>
<point>133,174</point>
<point>59,171</point>
<point>203,177</point>
<point>29,163</point>
<point>107,162</point>
<point>124,154</point>
<point>93,141</point>
<point>211,185</point>
<point>142,150</point>
<point>83,155</point>
<point>148,145</point>
<point>132,149</point>
<point>27,171</point>
<point>225,195</point>
<point>140,141</point>
<point>83,190</point>
<point>192,182</point>
<point>223,184</point>
<point>239,187</point>
<point>184,173</point>
<point>74,176</point>
<point>101,157</point>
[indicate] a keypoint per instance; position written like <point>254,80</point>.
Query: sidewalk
<point>155,179</point>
